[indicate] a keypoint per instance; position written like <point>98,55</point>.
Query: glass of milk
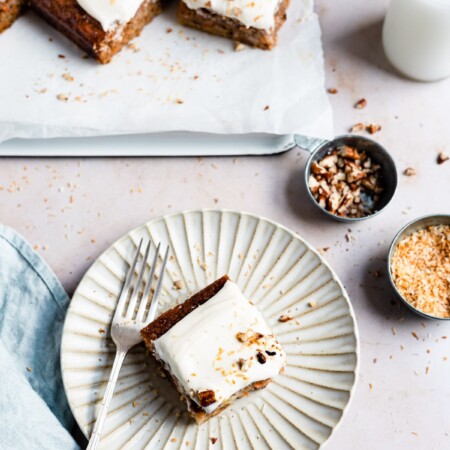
<point>416,38</point>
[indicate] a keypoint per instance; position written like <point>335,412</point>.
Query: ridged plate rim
<point>239,214</point>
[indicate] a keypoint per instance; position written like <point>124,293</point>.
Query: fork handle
<point>97,433</point>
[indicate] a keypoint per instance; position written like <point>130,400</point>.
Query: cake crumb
<point>29,369</point>
<point>266,107</point>
<point>332,91</point>
<point>213,440</point>
<point>311,304</point>
<point>174,439</point>
<point>179,101</point>
<point>414,334</point>
<point>101,331</point>
<point>133,47</point>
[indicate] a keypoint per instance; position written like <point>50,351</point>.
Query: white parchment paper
<point>171,78</point>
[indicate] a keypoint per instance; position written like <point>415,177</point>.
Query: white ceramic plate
<point>274,267</point>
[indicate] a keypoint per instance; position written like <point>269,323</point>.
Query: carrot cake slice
<point>252,22</point>
<point>10,10</point>
<point>99,27</point>
<point>215,348</point>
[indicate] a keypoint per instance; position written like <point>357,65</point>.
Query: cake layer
<point>111,13</point>
<point>167,320</point>
<point>256,13</point>
<point>220,348</point>
<point>73,21</point>
<point>10,10</point>
<point>204,19</point>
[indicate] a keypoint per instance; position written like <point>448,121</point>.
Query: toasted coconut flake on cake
<point>421,270</point>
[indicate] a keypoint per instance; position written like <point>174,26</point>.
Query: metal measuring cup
<point>318,148</point>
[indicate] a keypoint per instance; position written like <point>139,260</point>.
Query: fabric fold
<point>34,411</point>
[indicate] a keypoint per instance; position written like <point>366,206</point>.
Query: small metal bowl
<point>407,230</point>
<point>320,147</point>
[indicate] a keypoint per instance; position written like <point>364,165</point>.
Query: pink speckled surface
<point>73,209</point>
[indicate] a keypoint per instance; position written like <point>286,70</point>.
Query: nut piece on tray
<point>99,27</point>
<point>254,23</point>
<point>10,10</point>
<point>215,348</point>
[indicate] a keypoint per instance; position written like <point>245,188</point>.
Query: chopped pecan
<point>261,358</point>
<point>318,170</point>
<point>284,318</point>
<point>442,157</point>
<point>242,337</point>
<point>329,161</point>
<point>349,152</point>
<point>206,398</point>
<point>243,364</point>
<point>360,104</point>
<point>313,184</point>
<point>373,128</point>
<point>409,172</point>
<point>357,127</point>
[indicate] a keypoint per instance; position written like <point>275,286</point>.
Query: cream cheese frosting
<point>252,13</point>
<point>222,346</point>
<point>110,13</point>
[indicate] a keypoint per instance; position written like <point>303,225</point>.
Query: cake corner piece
<point>98,37</point>
<point>10,10</point>
<point>238,353</point>
<point>243,23</point>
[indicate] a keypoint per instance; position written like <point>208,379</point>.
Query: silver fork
<point>129,318</point>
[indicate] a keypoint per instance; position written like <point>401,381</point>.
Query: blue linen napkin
<point>34,413</point>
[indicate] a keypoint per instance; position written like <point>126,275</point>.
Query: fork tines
<point>143,308</point>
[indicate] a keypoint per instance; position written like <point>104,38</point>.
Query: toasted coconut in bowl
<point>419,266</point>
